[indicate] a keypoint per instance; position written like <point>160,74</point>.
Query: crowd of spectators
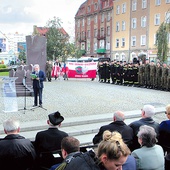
<point>143,144</point>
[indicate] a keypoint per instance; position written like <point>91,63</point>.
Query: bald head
<point>119,116</point>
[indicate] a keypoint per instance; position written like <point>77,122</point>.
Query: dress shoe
<point>40,105</point>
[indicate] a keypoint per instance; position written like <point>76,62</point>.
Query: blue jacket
<point>39,83</point>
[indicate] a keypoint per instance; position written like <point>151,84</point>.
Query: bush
<point>3,66</point>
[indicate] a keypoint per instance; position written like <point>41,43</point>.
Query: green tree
<point>162,42</point>
<point>22,56</point>
<point>56,39</point>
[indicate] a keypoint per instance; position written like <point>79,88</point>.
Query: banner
<point>82,69</point>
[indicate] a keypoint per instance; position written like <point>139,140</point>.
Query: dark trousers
<point>37,91</point>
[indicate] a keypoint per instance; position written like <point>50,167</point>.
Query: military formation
<point>146,74</point>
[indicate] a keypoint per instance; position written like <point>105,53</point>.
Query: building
<point>93,25</point>
<point>120,29</point>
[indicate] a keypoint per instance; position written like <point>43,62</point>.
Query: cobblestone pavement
<point>77,97</point>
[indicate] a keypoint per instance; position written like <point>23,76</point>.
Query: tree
<point>56,39</point>
<point>22,56</point>
<point>162,42</point>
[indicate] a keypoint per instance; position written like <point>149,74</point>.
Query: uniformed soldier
<point>141,74</point>
<point>152,74</point>
<point>107,70</point>
<point>125,74</point>
<point>158,76</point>
<point>168,79</point>
<point>130,74</point>
<point>116,71</point>
<point>101,71</point>
<point>49,68</point>
<point>147,74</point>
<point>112,71</point>
<point>164,76</point>
<point>135,74</point>
<point>120,73</point>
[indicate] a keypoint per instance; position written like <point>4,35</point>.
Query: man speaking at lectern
<point>38,78</point>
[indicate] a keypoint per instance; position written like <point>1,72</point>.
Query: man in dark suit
<point>50,139</point>
<point>118,125</point>
<point>38,78</point>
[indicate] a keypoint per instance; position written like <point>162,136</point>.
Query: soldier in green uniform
<point>168,79</point>
<point>164,76</point>
<point>141,74</point>
<point>48,68</point>
<point>158,76</point>
<point>152,74</point>
<point>147,74</point>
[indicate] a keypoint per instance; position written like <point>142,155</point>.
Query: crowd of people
<point>146,74</point>
<point>143,144</point>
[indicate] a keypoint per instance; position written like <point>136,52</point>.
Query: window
<point>157,2</point>
<point>167,17</point>
<point>83,22</point>
<point>95,6</point>
<point>106,3</point>
<point>117,43</point>
<point>95,32</point>
<point>167,1</point>
<point>102,18</point>
<point>133,41</point>
<point>78,23</point>
<point>157,19</point>
<point>88,9</point>
<point>154,39</point>
<point>88,46</point>
<point>108,16</point>
<point>134,4</point>
<point>118,9</point>
<point>108,46</point>
<point>88,33</point>
<point>123,42</point>
<point>95,19</point>
<point>108,30</point>
<point>95,46</point>
<point>117,26</point>
<point>88,21</point>
<point>102,32</point>
<point>123,26</point>
<point>143,40</point>
<point>143,21</point>
<point>133,23</point>
<point>144,4</point>
<point>123,8</point>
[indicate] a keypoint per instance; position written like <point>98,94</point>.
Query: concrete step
<point>84,128</point>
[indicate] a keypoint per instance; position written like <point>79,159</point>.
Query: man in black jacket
<point>118,125</point>
<point>16,152</point>
<point>146,113</point>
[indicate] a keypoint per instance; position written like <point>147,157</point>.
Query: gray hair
<point>119,116</point>
<point>11,125</point>
<point>149,110</point>
<point>148,135</point>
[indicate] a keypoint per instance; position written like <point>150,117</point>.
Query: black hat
<point>55,118</point>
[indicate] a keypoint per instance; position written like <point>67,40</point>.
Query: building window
<point>123,42</point>
<point>101,44</point>
<point>133,41</point>
<point>134,4</point>
<point>167,1</point>
<point>108,16</point>
<point>88,33</point>
<point>95,6</point>
<point>117,43</point>
<point>106,3</point>
<point>133,23</point>
<point>102,32</point>
<point>118,9</point>
<point>154,39</point>
<point>167,17</point>
<point>102,18</point>
<point>123,26</point>
<point>157,2</point>
<point>88,9</point>
<point>88,21</point>
<point>83,22</point>
<point>143,21</point>
<point>143,40</point>
<point>117,26</point>
<point>157,19</point>
<point>88,46</point>
<point>144,4</point>
<point>95,46</point>
<point>95,32</point>
<point>78,23</point>
<point>95,19</point>
<point>108,46</point>
<point>108,30</point>
<point>123,8</point>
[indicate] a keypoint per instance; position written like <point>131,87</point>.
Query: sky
<point>20,15</point>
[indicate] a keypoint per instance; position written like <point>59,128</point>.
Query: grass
<point>4,73</point>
